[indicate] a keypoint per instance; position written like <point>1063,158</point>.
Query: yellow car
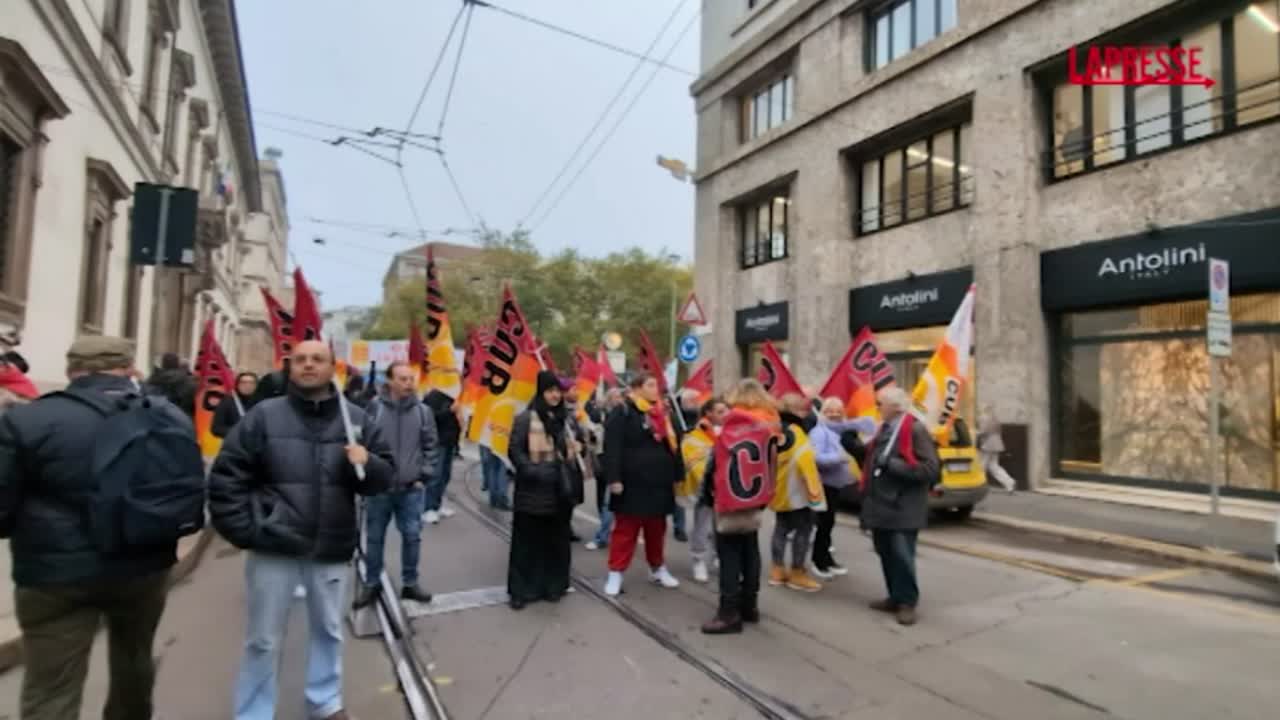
<point>964,481</point>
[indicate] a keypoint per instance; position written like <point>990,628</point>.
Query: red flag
<point>215,381</point>
<point>607,375</point>
<point>281,328</point>
<point>701,383</point>
<point>860,373</point>
<point>775,375</point>
<point>649,362</point>
<point>306,316</point>
<point>746,457</point>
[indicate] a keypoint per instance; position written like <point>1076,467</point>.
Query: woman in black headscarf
<point>547,479</point>
<point>229,411</point>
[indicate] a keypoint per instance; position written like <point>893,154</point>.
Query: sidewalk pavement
<point>190,550</point>
<point>1235,542</point>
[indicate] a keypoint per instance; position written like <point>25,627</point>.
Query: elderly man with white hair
<point>899,465</point>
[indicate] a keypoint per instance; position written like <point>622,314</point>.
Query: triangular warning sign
<point>691,313</point>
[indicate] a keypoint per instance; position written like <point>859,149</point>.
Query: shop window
<point>1098,125</point>
<point>1133,388</point>
<point>767,107</point>
<point>897,28</point>
<point>764,228</point>
<point>926,177</point>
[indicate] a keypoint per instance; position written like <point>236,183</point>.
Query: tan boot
<point>777,575</point>
<point>800,580</point>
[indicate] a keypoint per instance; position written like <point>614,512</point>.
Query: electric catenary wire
<point>604,114</point>
<point>618,123</point>
<point>426,87</point>
<point>453,77</point>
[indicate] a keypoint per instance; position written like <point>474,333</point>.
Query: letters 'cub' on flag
<point>775,375</point>
<point>215,383</point>
<point>746,457</point>
<point>862,372</point>
<point>509,379</point>
<point>701,383</point>
<point>442,364</point>
<point>937,395</point>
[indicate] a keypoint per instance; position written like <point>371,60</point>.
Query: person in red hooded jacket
<point>15,387</point>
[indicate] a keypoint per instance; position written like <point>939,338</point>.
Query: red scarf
<point>12,379</point>
<point>906,448</point>
<point>659,422</point>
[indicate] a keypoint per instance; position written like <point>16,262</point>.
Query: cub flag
<point>509,378</point>
<point>746,456</point>
<point>281,328</point>
<point>473,368</point>
<point>442,365</point>
<point>607,375</point>
<point>937,395</point>
<point>701,383</point>
<point>306,316</point>
<point>647,360</point>
<point>215,383</point>
<point>861,373</point>
<point>775,375</point>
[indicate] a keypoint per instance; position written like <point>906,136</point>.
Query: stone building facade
<point>95,96</point>
<point>904,149</point>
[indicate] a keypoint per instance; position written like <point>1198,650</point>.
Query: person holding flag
<point>642,467</point>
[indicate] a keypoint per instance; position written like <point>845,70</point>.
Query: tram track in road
<point>766,704</point>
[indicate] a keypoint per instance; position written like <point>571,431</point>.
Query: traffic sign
<point>690,348</point>
<point>1219,286</point>
<point>691,313</point>
<point>1219,331</point>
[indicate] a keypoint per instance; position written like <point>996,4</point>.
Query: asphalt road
<point>1012,626</point>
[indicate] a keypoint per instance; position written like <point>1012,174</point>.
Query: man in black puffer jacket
<point>174,382</point>
<point>284,488</point>
<point>64,586</point>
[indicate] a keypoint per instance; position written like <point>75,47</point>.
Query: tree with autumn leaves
<point>569,300</point>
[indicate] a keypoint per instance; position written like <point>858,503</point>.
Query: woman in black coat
<point>642,466</point>
<point>229,412</point>
<point>546,480</point>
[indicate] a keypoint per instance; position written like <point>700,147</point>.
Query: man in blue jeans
<point>449,431</point>
<point>291,505</point>
<point>410,430</point>
<point>496,477</point>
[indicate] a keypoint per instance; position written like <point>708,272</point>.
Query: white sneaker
<point>838,570</point>
<point>447,512</point>
<point>432,517</point>
<point>662,576</point>
<point>820,574</point>
<point>700,573</point>
<point>591,545</point>
<point>300,592</point>
<point>613,584</point>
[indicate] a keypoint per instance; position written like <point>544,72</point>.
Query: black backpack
<point>148,470</point>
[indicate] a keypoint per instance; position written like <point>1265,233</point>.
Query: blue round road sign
<point>690,347</point>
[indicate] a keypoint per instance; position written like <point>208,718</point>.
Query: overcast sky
<point>525,98</point>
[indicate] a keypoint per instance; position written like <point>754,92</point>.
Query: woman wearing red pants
<point>642,466</point>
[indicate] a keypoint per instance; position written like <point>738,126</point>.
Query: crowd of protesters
<point>296,507</point>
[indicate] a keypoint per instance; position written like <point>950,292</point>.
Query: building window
<point>926,177</point>
<point>768,107</point>
<point>1094,126</point>
<point>1131,384</point>
<point>764,229</point>
<point>105,189</point>
<point>897,28</point>
<point>10,160</point>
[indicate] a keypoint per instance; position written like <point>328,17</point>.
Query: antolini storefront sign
<point>1163,265</point>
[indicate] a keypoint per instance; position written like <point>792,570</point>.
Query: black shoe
<point>367,596</point>
<point>750,612</point>
<point>681,536</point>
<point>723,625</point>
<point>516,605</point>
<point>416,594</point>
<point>573,537</point>
<point>554,598</point>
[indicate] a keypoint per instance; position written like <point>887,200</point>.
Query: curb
<point>11,648</point>
<point>1217,560</point>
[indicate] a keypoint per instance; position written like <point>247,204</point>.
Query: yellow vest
<point>799,484</point>
<point>696,450</point>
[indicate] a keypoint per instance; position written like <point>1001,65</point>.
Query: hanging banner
<point>215,381</point>
<point>937,395</point>
<point>862,372</point>
<point>442,366</point>
<point>509,379</point>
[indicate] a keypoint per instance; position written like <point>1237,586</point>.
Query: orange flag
<point>441,371</point>
<point>587,378</point>
<point>860,373</point>
<point>509,378</point>
<point>701,383</point>
<point>775,375</point>
<point>215,383</point>
<point>418,357</point>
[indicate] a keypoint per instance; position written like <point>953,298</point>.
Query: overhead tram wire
<point>621,118</point>
<point>604,114</point>
<point>457,63</point>
<point>426,87</point>
<point>457,189</point>
<point>585,38</point>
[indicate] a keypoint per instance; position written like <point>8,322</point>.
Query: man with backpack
<point>284,489</point>
<point>410,430</point>
<point>97,483</point>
